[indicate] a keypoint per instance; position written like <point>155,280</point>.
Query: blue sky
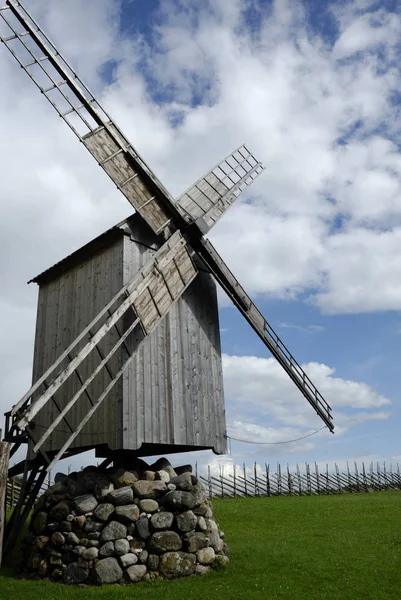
<point>313,89</point>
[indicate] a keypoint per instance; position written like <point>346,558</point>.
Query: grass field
<point>320,547</point>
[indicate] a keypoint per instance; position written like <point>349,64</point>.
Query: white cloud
<point>259,386</point>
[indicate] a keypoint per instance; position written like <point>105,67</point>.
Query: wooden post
<point>268,480</point>
<point>4,458</point>
<point>245,479</point>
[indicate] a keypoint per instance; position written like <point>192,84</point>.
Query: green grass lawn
<point>321,547</point>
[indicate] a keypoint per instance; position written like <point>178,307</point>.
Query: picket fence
<point>233,481</point>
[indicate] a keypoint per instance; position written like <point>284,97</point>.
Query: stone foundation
<point>119,525</point>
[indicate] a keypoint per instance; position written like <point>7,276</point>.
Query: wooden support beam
<point>4,457</point>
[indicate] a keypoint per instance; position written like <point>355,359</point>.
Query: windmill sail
<point>78,107</point>
<point>210,197</point>
<point>264,330</point>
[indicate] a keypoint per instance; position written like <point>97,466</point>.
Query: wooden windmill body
<point>170,398</point>
<point>127,350</point>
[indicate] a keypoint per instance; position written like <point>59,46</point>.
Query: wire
<point>275,443</point>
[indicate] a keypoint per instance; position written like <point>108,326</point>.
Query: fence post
<point>255,476</point>
<point>357,476</point>
<point>338,479</point>
<point>289,477</point>
<point>317,477</point>
<point>308,480</point>
<point>4,458</point>
<point>268,491</point>
<point>299,481</point>
<point>245,480</point>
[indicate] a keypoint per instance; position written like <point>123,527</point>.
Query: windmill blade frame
<point>260,325</point>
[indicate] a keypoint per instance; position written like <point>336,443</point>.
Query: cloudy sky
<point>313,88</point>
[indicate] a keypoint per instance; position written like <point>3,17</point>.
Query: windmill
<point>147,321</point>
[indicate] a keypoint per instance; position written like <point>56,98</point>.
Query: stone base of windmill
<point>119,525</point>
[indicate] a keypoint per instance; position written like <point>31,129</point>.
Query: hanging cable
<point>275,443</point>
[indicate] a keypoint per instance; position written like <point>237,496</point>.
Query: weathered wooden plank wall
<point>172,393</point>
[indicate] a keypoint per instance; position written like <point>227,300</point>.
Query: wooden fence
<point>233,481</point>
<point>14,487</point>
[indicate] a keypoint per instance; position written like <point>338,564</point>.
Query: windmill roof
<point>101,241</point>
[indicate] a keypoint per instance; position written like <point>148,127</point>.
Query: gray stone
<point>86,503</point>
<point>153,562</point>
<point>201,509</point>
<point>183,482</point>
<point>121,547</point>
<point>135,573</point>
<point>74,487</point>
<point>65,526</point>
<point>142,528</point>
<point>211,525</point>
<point>202,569</point>
<point>94,544</point>
<point>123,478</point>
<point>177,564</point>
<point>171,487</point>
<point>186,521</point>
<point>60,477</point>
<point>206,556</point>
<point>128,513</point>
<point>162,520</point>
<point>162,464</point>
<point>92,526</point>
<point>148,505</point>
<point>149,489</point>
<point>183,469</point>
<point>90,553</point>
<point>221,561</point>
<point>197,542</point>
<point>121,496</point>
<point>143,557</point>
<point>113,531</point>
<point>108,570</point>
<point>198,493</point>
<point>127,560</point>
<point>178,500</point>
<point>59,512</point>
<point>201,524</point>
<point>94,535</point>
<point>107,550</point>
<point>78,550</point>
<point>57,539</point>
<point>39,523</point>
<point>75,572</point>
<point>149,475</point>
<point>102,488</point>
<point>165,541</point>
<point>225,550</point>
<point>215,541</point>
<point>58,487</point>
<point>162,476</point>
<point>103,511</point>
<point>79,521</point>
